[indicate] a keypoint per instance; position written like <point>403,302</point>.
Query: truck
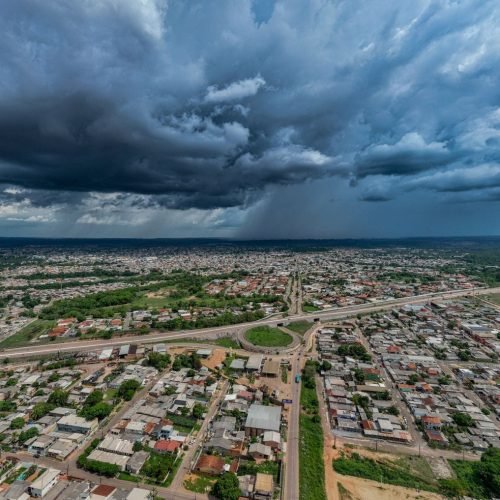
<point>297,378</point>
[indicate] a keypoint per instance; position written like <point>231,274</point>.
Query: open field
<point>412,472</point>
<point>267,336</point>
<point>28,333</point>
<point>495,298</point>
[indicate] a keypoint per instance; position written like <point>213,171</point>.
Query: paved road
<point>291,480</point>
<point>291,483</point>
<point>186,466</point>
<point>89,345</point>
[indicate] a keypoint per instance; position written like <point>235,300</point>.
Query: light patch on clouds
<point>235,91</point>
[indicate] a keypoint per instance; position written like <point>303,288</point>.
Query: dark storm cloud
<point>209,105</point>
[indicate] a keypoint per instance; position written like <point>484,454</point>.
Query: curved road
<point>89,345</point>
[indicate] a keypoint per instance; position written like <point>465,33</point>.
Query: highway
<point>89,345</point>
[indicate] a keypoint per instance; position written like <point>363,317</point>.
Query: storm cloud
<point>114,113</point>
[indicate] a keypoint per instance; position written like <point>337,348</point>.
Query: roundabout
<point>264,338</point>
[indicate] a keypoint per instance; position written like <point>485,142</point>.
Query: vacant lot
<point>413,472</point>
<point>268,337</point>
<point>28,333</point>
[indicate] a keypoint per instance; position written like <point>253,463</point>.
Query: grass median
<point>267,336</point>
<point>311,464</point>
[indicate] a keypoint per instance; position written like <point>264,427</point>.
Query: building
<point>259,451</point>
<point>262,418</point>
<point>73,423</point>
<point>271,368</point>
<point>264,486</point>
<point>211,465</point>
<point>254,362</point>
<point>43,484</point>
<point>136,461</point>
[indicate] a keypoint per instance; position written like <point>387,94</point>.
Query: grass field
<point>310,308</point>
<point>227,342</point>
<point>28,333</point>
<point>299,327</point>
<point>267,336</point>
<point>311,464</point>
<point>494,298</point>
<point>410,472</point>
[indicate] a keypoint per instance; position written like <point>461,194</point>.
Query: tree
<point>58,398</point>
<point>93,398</point>
<point>40,410</point>
<point>487,471</point>
<point>198,410</point>
<point>127,389</point>
<point>17,423</point>
<point>227,487</point>
<point>462,419</point>
<point>464,354</point>
<point>326,366</point>
<point>30,433</point>
<point>393,410</point>
<point>158,361</point>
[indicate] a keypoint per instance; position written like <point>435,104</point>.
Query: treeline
<point>93,304</point>
<point>224,319</point>
<point>97,272</point>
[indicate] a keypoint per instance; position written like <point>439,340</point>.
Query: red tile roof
<point>169,446</point>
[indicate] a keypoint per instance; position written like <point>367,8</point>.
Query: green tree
<point>462,419</point>
<point>127,389</point>
<point>58,398</point>
<point>227,487</point>
<point>17,423</point>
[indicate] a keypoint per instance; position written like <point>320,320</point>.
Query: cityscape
<point>250,250</point>
<point>181,371</point>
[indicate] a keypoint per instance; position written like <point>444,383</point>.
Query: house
<point>136,461</point>
<point>436,437</point>
<point>61,449</point>
<point>40,446</point>
<point>44,483</point>
<point>431,422</point>
<point>164,446</point>
<point>210,464</point>
<point>102,492</point>
<point>272,439</point>
<point>259,451</point>
<point>264,486</point>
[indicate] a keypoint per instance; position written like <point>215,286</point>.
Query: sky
<point>250,118</point>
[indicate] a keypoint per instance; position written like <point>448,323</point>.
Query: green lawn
<point>310,308</point>
<point>228,343</point>
<point>299,327</point>
<point>494,298</point>
<point>28,333</point>
<point>267,336</point>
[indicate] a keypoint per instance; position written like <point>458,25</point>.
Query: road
<point>291,480</point>
<point>89,345</point>
<point>187,460</point>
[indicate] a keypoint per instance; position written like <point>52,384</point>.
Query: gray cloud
<point>127,101</point>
